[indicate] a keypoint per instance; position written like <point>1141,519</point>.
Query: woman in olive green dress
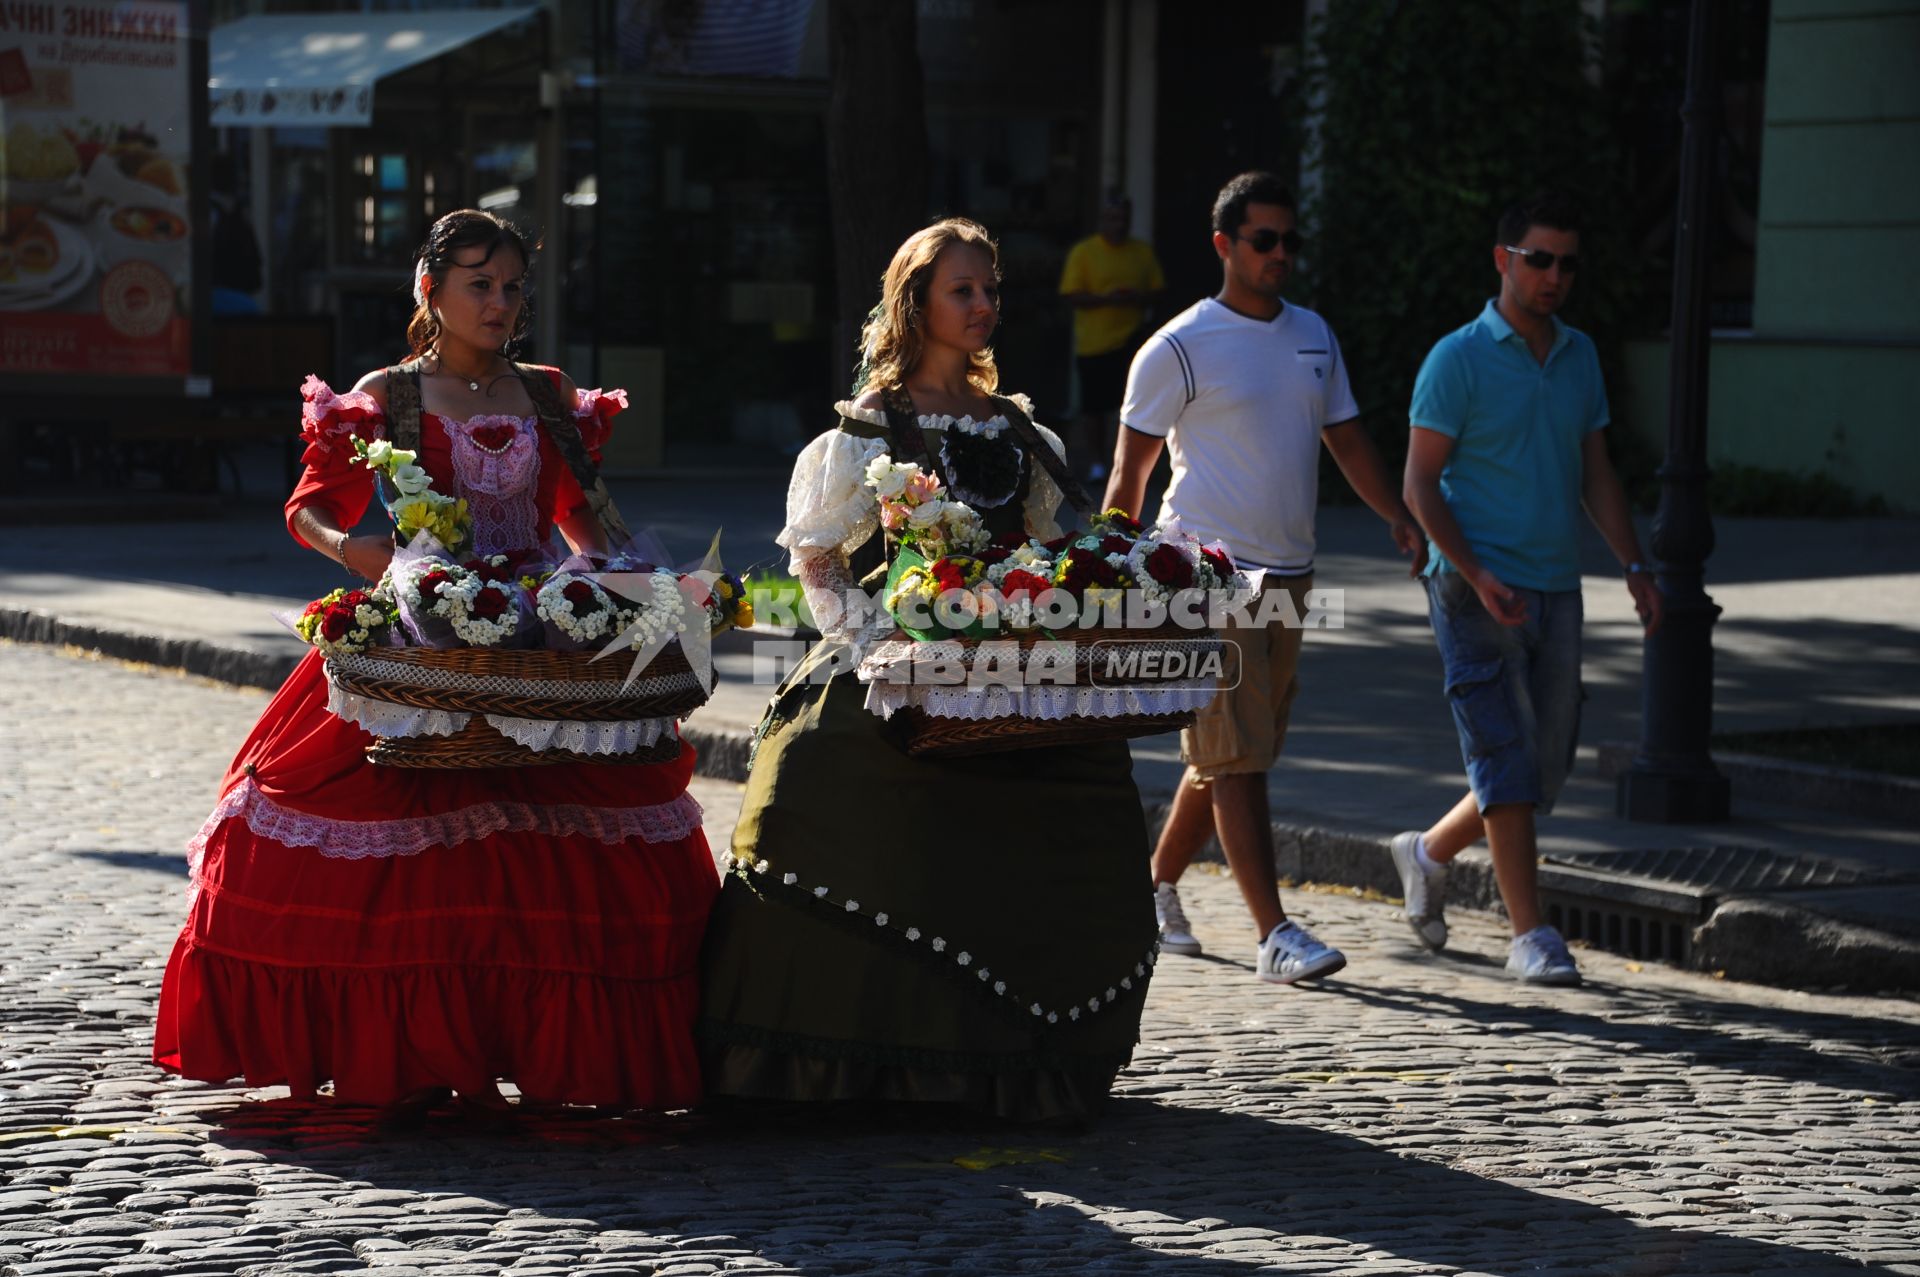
<point>975,930</point>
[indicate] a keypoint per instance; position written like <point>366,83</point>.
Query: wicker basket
<point>928,735</point>
<point>934,735</point>
<point>566,686</point>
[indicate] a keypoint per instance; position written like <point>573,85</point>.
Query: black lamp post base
<point>1672,798</point>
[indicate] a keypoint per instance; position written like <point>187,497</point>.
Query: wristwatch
<point>1637,568</point>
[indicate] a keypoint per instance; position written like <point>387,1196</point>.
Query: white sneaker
<point>1540,957</point>
<point>1176,935</point>
<point>1290,953</point>
<point>1425,890</point>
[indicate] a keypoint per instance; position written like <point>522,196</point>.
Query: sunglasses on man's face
<point>1266,238</point>
<point>1540,259</point>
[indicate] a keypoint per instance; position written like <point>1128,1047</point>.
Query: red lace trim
<point>363,839</point>
<point>326,418</point>
<point>594,411</point>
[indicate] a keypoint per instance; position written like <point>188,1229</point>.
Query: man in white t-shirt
<point>1243,389</point>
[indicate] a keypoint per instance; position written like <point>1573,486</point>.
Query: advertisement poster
<point>95,149</point>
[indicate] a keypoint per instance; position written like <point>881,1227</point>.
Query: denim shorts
<point>1514,690</point>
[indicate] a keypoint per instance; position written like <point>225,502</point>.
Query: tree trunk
<point>876,151</point>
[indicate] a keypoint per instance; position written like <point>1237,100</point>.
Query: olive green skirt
<point>976,931</point>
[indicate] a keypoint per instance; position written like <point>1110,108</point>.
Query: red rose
<point>580,595</point>
<point>1125,522</point>
<point>1219,562</point>
<point>489,604</point>
<point>354,598</point>
<point>315,608</point>
<point>948,574</point>
<point>336,623</point>
<point>430,584</point>
<point>994,554</point>
<point>494,438</point>
<point>1113,543</point>
<point>1170,568</point>
<point>1022,582</point>
<point>488,571</point>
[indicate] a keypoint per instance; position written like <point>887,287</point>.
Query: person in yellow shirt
<point>1110,281</point>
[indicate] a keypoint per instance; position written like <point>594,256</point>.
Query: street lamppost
<point>1672,777</point>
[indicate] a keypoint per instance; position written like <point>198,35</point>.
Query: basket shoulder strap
<point>403,405</point>
<point>565,434</point>
<point>903,423</point>
<point>1041,451</point>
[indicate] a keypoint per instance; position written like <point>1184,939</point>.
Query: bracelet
<point>341,550</point>
<point>1637,568</point>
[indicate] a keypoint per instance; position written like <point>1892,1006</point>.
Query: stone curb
<point>1763,940</point>
<point>1781,780</point>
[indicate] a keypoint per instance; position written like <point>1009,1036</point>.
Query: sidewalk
<point>1821,623</point>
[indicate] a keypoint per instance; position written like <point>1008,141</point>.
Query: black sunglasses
<point>1541,259</point>
<point>1263,240</point>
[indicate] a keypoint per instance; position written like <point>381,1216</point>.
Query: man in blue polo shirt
<point>1508,444</point>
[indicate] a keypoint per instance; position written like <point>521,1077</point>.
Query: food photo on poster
<point>96,242</point>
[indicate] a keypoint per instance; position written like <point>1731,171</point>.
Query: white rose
<point>411,480</point>
<point>927,514</point>
<point>379,453</point>
<point>886,479</point>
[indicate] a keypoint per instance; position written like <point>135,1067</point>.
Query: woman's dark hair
<point>454,235</point>
<point>1230,205</point>
<point>1552,209</point>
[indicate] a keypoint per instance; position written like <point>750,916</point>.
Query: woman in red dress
<point>401,932</point>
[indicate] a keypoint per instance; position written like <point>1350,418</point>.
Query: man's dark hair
<point>1230,206</point>
<point>1552,209</point>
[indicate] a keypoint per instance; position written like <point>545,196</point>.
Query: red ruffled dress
<point>394,929</point>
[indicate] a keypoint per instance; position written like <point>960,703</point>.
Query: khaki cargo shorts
<point>1244,726</point>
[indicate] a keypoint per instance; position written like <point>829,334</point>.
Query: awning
<point>308,69</point>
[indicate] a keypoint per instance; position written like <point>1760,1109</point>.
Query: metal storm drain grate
<point>1677,887</point>
<point>1722,869</point>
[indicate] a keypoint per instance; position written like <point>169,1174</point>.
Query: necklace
<point>473,383</point>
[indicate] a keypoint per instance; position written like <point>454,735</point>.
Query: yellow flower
<point>743,614</point>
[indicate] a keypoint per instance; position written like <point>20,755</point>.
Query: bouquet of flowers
<point>488,606</point>
<point>417,508</point>
<point>1117,571</point>
<point>347,622</point>
<point>575,612</point>
<point>917,510</point>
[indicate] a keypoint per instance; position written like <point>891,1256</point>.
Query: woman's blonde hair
<point>895,337</point>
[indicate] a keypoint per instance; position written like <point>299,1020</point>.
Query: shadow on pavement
<point>839,1193</point>
<point>1879,1055</point>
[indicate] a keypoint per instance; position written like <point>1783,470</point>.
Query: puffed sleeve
<point>829,506</point>
<point>593,414</point>
<point>1043,494</point>
<point>331,481</point>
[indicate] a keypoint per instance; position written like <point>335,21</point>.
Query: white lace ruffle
<point>622,736</point>
<point>370,839</point>
<point>386,718</point>
<point>1042,702</point>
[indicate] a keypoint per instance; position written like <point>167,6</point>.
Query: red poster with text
<point>95,239</point>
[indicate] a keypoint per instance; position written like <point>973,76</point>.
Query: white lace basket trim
<point>370,839</point>
<point>621,736</point>
<point>385,718</point>
<point>1039,701</point>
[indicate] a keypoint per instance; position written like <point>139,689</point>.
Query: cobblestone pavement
<point>1414,1116</point>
